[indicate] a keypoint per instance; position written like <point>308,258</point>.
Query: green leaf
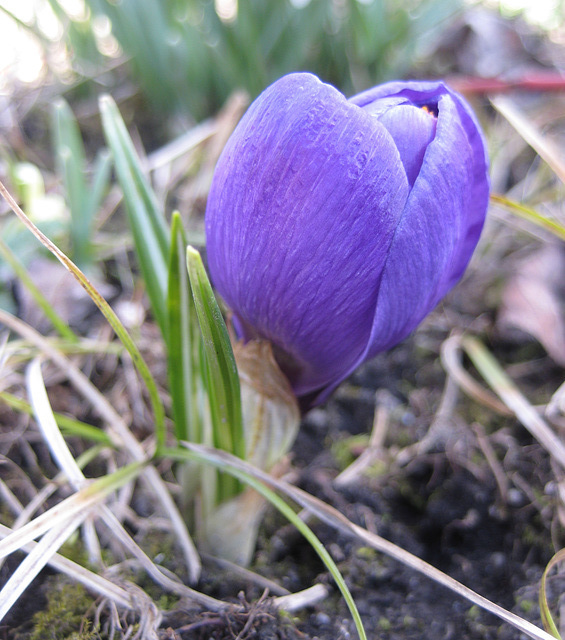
<point>184,344</point>
<point>71,166</point>
<point>148,225</point>
<point>221,370</point>
<point>100,183</point>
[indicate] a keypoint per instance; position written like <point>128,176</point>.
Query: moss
<point>64,617</point>
<point>473,613</point>
<point>344,450</point>
<point>384,624</point>
<point>366,553</point>
<point>408,622</point>
<point>526,605</point>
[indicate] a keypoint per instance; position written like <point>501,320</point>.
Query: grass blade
<point>45,419</point>
<point>92,581</point>
<point>224,391</point>
<point>287,512</point>
<point>527,213</point>
<point>147,223</point>
<point>184,344</point>
<point>545,613</point>
<point>493,373</point>
<point>107,311</point>
<point>40,300</point>
<point>531,134</point>
<point>71,166</point>
<point>100,183</point>
<point>80,501</point>
<point>340,523</point>
<point>67,425</point>
<point>221,370</point>
<point>36,560</point>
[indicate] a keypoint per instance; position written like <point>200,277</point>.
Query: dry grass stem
<point>440,429</point>
<point>514,399</point>
<point>117,429</point>
<point>502,481</point>
<point>92,581</point>
<point>302,599</point>
<point>529,132</point>
<point>372,453</point>
<point>335,519</point>
<point>36,559</point>
<point>451,351</point>
<point>250,576</point>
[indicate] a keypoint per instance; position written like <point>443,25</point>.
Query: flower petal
<point>302,182</point>
<point>436,235</point>
<point>412,130</point>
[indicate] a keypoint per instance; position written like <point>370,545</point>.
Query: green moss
<point>366,553</point>
<point>408,622</point>
<point>526,605</point>
<point>384,624</point>
<point>473,613</point>
<point>343,451</point>
<point>64,618</point>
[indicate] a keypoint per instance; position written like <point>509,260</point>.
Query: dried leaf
<point>534,300</point>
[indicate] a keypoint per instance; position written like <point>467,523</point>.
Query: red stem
<point>534,81</point>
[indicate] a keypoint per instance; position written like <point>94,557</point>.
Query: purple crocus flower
<point>335,226</point>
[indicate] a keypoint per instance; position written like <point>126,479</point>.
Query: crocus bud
<point>335,226</point>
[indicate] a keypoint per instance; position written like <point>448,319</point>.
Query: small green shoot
<point>185,343</point>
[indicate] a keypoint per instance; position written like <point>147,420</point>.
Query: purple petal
<point>436,234</point>
<point>432,243</point>
<point>412,129</point>
<point>302,211</point>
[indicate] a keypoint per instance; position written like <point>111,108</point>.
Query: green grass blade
<point>220,371</point>
<point>71,166</point>
<point>545,613</point>
<point>527,213</point>
<point>184,342</point>
<point>68,426</point>
<point>21,273</point>
<point>225,395</point>
<point>148,225</point>
<point>315,543</point>
<point>100,184</point>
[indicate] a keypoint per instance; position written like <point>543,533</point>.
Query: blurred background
<point>181,59</point>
